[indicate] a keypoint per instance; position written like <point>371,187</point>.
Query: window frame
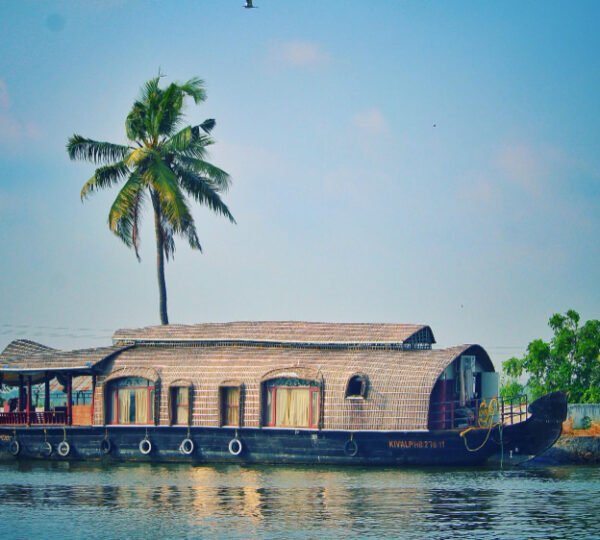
<point>364,387</point>
<point>173,404</point>
<point>224,404</point>
<point>113,400</point>
<point>272,391</point>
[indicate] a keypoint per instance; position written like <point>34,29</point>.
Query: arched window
<point>130,401</point>
<point>357,386</point>
<point>291,402</point>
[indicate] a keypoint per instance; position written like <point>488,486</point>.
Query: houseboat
<point>268,392</point>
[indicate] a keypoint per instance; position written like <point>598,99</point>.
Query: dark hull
<point>379,448</point>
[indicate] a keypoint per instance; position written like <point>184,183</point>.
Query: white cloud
<point>13,131</point>
<point>372,121</point>
<point>301,54</point>
<point>530,167</point>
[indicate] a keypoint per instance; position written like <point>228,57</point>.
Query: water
<point>64,501</point>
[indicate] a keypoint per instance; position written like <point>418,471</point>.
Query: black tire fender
<point>350,448</point>
<point>105,447</point>
<point>14,447</point>
<point>46,449</point>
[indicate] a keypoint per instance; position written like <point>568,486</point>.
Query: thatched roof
<point>39,359</point>
<point>396,358</point>
<point>400,382</point>
<point>282,333</point>
<point>20,347</point>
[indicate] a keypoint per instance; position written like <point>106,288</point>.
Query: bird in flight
<point>249,5</point>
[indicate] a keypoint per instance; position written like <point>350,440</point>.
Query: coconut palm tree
<point>165,163</point>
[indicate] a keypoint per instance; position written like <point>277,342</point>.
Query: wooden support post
<point>28,402</point>
<point>69,399</point>
<point>46,393</point>
<point>93,398</point>
<point>20,398</point>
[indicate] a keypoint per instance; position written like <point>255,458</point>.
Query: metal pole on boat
<point>28,402</point>
<point>93,398</point>
<point>69,399</point>
<point>46,392</point>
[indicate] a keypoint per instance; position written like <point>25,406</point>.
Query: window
<point>130,401</point>
<point>292,403</point>
<point>230,405</point>
<point>180,405</point>
<point>357,387</point>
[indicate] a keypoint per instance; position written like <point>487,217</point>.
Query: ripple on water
<point>61,500</point>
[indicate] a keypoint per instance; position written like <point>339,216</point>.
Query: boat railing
<point>478,412</point>
<point>22,418</point>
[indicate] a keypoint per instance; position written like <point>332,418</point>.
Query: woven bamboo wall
<point>400,382</point>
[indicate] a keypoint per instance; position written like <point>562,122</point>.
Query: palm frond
<point>168,239</point>
<point>208,125</point>
<point>178,142</point>
<point>124,215</point>
<point>217,178</point>
<point>188,142</point>
<point>105,177</point>
<point>201,190</point>
<point>169,111</point>
<point>136,217</point>
<point>79,147</point>
<point>192,236</point>
<point>135,123</point>
<point>138,156</point>
<point>172,201</point>
<point>195,89</point>
<point>150,90</point>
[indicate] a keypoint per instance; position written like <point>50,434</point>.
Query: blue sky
<point>429,162</point>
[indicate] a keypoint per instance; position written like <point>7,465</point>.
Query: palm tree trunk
<point>160,260</point>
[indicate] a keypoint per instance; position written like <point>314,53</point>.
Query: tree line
<point>569,362</point>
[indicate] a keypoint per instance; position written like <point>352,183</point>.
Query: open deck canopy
<point>31,359</point>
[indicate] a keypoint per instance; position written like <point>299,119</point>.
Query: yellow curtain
<point>124,406</point>
<point>293,407</point>
<point>182,404</point>
<point>232,404</point>
<point>141,406</point>
<point>315,408</point>
<point>151,399</point>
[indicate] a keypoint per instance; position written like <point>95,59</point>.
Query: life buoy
<point>145,446</point>
<point>350,448</point>
<point>14,447</point>
<point>105,447</point>
<point>186,447</point>
<point>235,447</point>
<point>63,449</point>
<point>46,449</point>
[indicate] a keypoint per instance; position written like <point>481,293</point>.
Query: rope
<point>486,420</point>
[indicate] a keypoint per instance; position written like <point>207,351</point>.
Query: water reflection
<point>181,501</point>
